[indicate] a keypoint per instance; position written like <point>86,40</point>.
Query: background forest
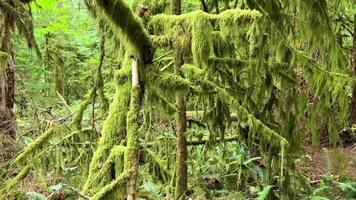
<point>177,99</point>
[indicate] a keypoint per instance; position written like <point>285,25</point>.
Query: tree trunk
<point>353,101</point>
<point>133,118</point>
<point>59,62</point>
<point>7,77</point>
<point>216,4</point>
<point>204,6</point>
<point>181,123</point>
<point>177,7</point>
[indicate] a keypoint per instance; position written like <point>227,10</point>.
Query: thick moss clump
<point>121,15</point>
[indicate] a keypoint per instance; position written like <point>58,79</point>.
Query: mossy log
<point>217,140</point>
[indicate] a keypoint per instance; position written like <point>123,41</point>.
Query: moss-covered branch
<point>234,17</point>
<point>13,182</point>
<point>115,153</point>
<point>121,15</point>
<point>173,82</point>
<point>114,128</point>
<point>37,143</point>
<point>112,185</point>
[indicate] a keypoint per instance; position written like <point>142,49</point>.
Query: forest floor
<point>325,160</point>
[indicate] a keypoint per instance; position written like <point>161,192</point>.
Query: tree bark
<point>59,63</point>
<point>353,101</point>
<point>181,123</point>
<point>182,151</point>
<point>216,4</point>
<point>133,118</point>
<point>177,7</point>
<point>7,77</point>
<point>204,6</point>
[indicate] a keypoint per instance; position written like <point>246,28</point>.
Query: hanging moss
<point>232,22</point>
<point>120,13</point>
<point>267,135</point>
<point>154,98</point>
<point>159,162</point>
<point>173,82</point>
<point>161,40</point>
<point>189,69</point>
<point>201,39</point>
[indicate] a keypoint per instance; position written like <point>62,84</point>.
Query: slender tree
<point>181,122</point>
<point>353,101</point>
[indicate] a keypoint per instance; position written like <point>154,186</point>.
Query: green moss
<point>131,158</point>
<point>77,120</point>
<point>114,127</point>
<point>173,82</point>
<point>189,69</point>
<point>111,186</point>
<point>36,144</point>
<point>120,13</point>
<point>159,162</point>
<point>13,182</point>
<point>115,153</point>
<point>154,98</point>
<point>233,22</point>
<point>264,133</point>
<point>231,62</point>
<point>202,43</point>
<point>161,40</point>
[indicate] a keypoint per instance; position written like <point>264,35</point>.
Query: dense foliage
<point>209,99</point>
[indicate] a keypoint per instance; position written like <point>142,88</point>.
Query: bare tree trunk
<point>353,101</point>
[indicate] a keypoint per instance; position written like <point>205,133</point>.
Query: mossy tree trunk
<point>59,63</point>
<point>176,7</point>
<point>181,123</point>
<point>353,102</point>
<point>7,76</point>
<point>133,124</point>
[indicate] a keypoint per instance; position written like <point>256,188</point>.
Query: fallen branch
<point>205,141</point>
